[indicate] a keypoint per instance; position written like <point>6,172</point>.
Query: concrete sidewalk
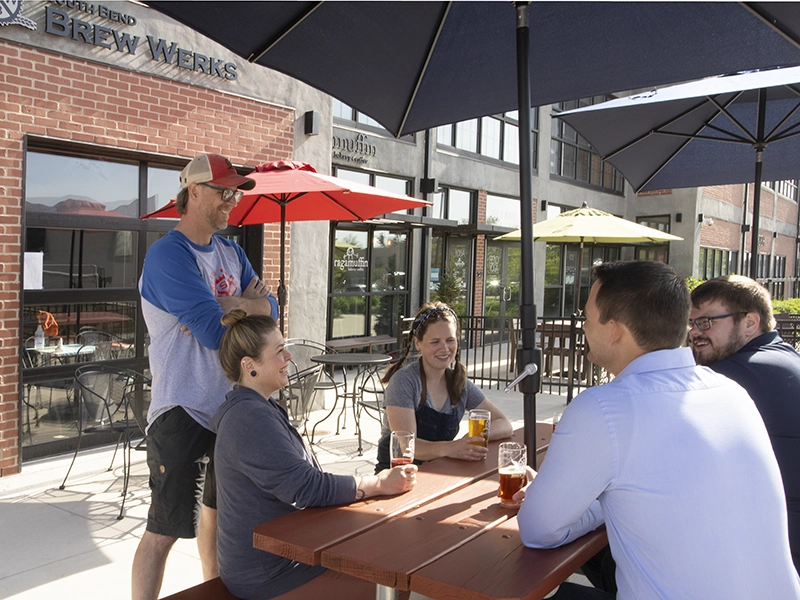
<point>69,544</point>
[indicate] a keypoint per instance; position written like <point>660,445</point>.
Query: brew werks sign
<point>354,150</point>
<point>110,29</point>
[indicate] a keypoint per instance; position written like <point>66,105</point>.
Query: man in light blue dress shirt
<point>672,457</point>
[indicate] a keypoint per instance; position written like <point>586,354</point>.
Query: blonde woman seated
<point>263,470</point>
<point>429,397</point>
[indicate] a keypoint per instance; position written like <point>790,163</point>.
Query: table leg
<point>383,592</point>
<point>333,410</point>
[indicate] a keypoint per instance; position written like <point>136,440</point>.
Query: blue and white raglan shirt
<point>179,284</point>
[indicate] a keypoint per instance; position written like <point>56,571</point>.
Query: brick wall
<point>45,94</point>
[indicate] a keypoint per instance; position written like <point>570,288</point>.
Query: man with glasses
<point>191,277</point>
<point>732,331</point>
<point>673,459</point>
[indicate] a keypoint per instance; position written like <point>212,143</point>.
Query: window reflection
<point>81,186</point>
<point>82,258</point>
<point>502,211</point>
<point>162,186</point>
<point>114,320</point>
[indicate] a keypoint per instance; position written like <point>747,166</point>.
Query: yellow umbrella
<point>585,224</point>
<point>594,226</point>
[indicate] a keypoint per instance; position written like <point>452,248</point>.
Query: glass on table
<point>511,462</point>
<point>479,421</point>
<point>402,448</point>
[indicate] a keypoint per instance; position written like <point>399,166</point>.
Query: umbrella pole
<point>282,284</point>
<point>527,353</point>
<point>578,279</point>
<point>759,147</point>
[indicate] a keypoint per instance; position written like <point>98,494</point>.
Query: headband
<point>424,316</point>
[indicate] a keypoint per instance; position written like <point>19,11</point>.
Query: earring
<point>253,373</point>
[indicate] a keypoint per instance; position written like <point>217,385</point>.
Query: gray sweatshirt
<point>264,472</point>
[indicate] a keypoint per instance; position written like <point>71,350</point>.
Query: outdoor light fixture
<point>544,205</point>
<point>678,217</point>
<point>428,185</point>
<point>311,125</point>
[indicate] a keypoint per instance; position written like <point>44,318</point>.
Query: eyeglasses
<point>705,323</point>
<point>227,194</point>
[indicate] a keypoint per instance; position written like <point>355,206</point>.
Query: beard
<point>713,353</point>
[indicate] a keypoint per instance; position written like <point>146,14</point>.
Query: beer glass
<point>479,426</point>
<point>402,448</point>
<point>512,460</point>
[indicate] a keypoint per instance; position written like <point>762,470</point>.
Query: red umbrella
<point>293,191</point>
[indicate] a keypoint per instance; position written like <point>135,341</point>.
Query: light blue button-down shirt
<point>675,460</point>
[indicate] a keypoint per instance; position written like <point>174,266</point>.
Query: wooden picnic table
<point>398,542</point>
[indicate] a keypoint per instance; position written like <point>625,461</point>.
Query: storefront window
<point>502,211</point>
<point>452,204</point>
<point>79,258</point>
<point>369,290</point>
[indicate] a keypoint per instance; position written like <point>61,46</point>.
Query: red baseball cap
<point>215,169</point>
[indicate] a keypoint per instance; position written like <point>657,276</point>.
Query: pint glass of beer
<point>512,460</point>
<point>402,448</point>
<point>479,426</point>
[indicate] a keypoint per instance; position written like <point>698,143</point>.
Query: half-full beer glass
<point>479,421</point>
<point>402,448</point>
<point>511,462</point>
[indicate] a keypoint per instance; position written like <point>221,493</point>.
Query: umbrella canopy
<point>584,224</point>
<point>593,226</point>
<point>415,65</point>
<point>293,191</point>
<point>737,129</point>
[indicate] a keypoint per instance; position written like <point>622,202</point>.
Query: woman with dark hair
<point>429,397</point>
<point>263,470</point>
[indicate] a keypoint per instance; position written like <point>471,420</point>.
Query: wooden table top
<point>447,538</point>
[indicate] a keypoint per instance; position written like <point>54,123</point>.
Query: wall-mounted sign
<point>10,14</point>
<point>61,21</point>
<point>354,150</point>
<point>351,261</point>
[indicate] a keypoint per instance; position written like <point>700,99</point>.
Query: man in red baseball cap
<point>191,277</point>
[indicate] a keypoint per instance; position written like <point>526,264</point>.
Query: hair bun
<point>232,318</point>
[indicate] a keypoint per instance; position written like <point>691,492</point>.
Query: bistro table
<point>447,538</point>
<point>367,365</point>
<point>62,353</point>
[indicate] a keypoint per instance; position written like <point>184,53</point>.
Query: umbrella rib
<point>649,133</point>
<point>772,134</point>
<point>663,164</point>
<point>700,136</point>
<point>724,110</point>
<point>256,56</point>
<point>775,24</point>
<point>337,203</point>
<point>424,68</point>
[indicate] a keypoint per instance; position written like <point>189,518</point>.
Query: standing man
<point>191,277</point>
<point>732,331</point>
<point>672,457</point>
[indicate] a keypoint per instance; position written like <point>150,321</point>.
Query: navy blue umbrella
<point>416,65</point>
<point>737,129</point>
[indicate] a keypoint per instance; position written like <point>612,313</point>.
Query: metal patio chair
<point>105,397</point>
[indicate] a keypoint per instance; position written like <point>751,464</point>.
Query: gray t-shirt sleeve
<point>474,395</point>
<point>404,388</point>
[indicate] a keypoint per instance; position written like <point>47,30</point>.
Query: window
<point>395,185</point>
<point>502,211</point>
<point>571,156</point>
<point>347,113</point>
<point>83,249</point>
<point>778,286</point>
<point>495,136</point>
<point>455,205</point>
<point>659,252</point>
<point>368,288</point>
<point>715,262</point>
<point>786,188</point>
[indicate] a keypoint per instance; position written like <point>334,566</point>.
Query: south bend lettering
<point>58,22</point>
